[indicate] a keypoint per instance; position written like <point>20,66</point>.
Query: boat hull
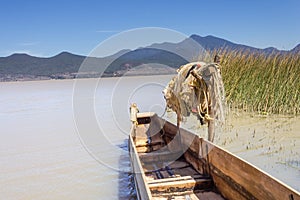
<point>210,172</point>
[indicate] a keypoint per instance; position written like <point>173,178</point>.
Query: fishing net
<point>197,89</point>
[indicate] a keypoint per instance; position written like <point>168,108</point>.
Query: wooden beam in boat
<point>165,180</point>
<point>173,166</point>
<point>178,185</point>
<point>145,144</point>
<point>145,147</point>
<point>145,114</point>
<point>160,156</point>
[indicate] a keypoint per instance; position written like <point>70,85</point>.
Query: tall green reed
<point>255,81</point>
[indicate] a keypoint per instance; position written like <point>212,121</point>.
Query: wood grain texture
<point>143,191</point>
<point>245,178</point>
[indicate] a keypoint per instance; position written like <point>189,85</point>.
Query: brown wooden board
<point>239,175</point>
<point>143,191</point>
<point>162,156</point>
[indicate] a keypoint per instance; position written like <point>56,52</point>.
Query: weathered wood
<point>229,188</point>
<point>170,128</point>
<point>146,140</point>
<point>143,191</point>
<point>181,178</point>
<point>179,187</point>
<point>199,164</point>
<point>142,149</point>
<point>185,184</point>
<point>153,146</point>
<point>162,156</point>
<point>173,165</point>
<point>246,179</point>
<point>202,161</point>
<point>178,164</point>
<point>145,114</point>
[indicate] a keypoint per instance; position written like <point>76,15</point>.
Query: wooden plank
<point>179,185</point>
<point>149,147</point>
<point>141,141</point>
<point>159,156</point>
<point>248,180</point>
<point>143,191</point>
<point>145,114</point>
<point>170,179</point>
<point>142,149</point>
<point>227,189</point>
<point>185,186</point>
<point>198,164</point>
<point>192,196</point>
<point>177,197</point>
<point>153,143</point>
<point>148,168</point>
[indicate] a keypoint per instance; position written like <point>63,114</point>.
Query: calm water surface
<point>44,156</point>
<point>52,147</point>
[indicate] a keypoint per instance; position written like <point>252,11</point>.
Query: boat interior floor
<point>176,179</point>
<point>168,174</point>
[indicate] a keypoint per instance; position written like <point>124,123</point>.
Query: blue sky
<point>46,28</point>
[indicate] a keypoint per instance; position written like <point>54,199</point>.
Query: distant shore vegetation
<point>266,83</point>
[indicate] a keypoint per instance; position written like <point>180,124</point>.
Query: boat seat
<point>179,185</point>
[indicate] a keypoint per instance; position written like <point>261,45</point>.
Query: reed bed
<point>259,82</point>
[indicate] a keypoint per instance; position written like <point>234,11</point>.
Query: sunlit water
<point>46,154</point>
<point>42,155</point>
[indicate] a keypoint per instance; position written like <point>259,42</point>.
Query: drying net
<point>197,89</point>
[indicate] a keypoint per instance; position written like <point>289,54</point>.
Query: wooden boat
<point>172,163</point>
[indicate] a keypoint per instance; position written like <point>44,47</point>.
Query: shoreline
<point>82,78</point>
<point>46,78</point>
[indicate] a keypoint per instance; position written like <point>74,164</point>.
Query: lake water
<point>67,139</point>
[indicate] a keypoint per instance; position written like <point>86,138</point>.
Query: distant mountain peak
<point>65,64</point>
<point>296,49</point>
<point>65,53</point>
<point>19,54</point>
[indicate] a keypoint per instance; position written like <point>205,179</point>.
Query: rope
<point>197,85</point>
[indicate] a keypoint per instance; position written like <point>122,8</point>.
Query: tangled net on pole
<point>198,89</point>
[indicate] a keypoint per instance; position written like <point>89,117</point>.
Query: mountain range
<point>126,62</point>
